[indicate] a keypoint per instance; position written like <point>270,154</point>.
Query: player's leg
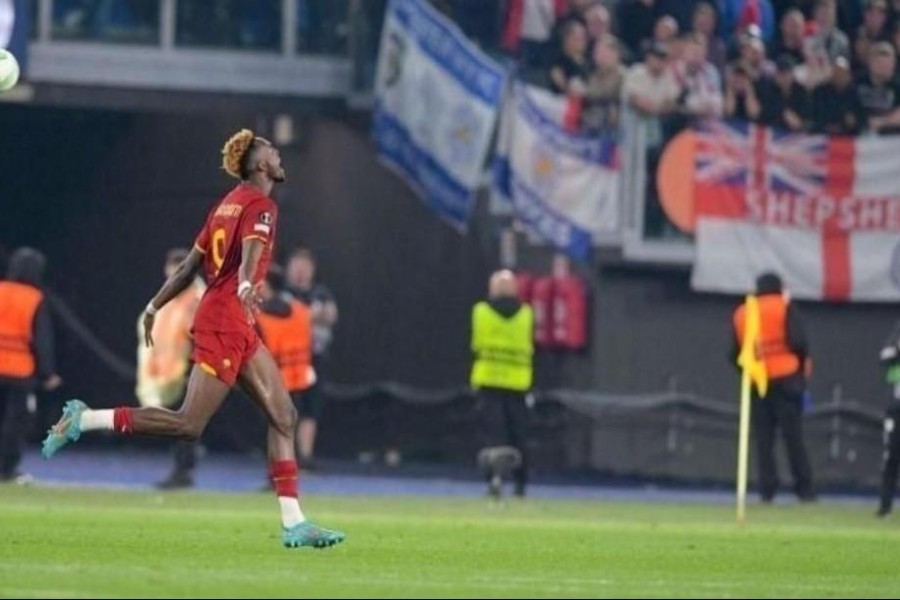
<point>204,396</point>
<point>261,380</point>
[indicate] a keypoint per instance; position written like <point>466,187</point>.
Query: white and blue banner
<point>563,185</point>
<point>437,101</point>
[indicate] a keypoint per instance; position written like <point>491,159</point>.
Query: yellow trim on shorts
<point>208,368</point>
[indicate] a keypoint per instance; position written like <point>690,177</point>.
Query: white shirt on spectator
<point>538,18</point>
<point>639,81</point>
<point>704,89</point>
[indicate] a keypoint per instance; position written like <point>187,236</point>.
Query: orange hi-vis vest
<point>18,304</point>
<point>772,348</point>
<point>289,339</point>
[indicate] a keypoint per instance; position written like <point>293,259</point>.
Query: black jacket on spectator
<point>877,100</point>
<point>774,102</point>
<point>570,69</point>
<point>837,111</point>
<point>779,50</point>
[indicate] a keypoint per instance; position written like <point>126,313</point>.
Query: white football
<point>9,70</point>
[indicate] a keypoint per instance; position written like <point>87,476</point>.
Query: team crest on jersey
<point>266,218</point>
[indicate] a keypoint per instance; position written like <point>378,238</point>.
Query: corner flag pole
<point>743,443</point>
<point>753,372</point>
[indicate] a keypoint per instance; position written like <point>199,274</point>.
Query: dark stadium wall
<point>106,194</point>
<point>650,333</point>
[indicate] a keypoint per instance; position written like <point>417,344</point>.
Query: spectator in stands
<point>597,21</point>
<point>741,98</point>
<point>529,24</point>
<point>879,93</point>
<point>636,20</point>
<point>703,22</point>
<point>651,90</point>
<point>503,348</point>
<point>790,36</point>
<point>785,103</point>
<point>574,11</point>
<point>700,81</point>
<point>27,355</point>
<point>665,30</point>
<point>568,73</point>
<point>784,350</point>
<point>604,88</point>
<point>873,29</point>
<point>752,57</point>
<point>738,15</point>
<point>816,66</point>
<point>833,39</point>
<point>835,104</point>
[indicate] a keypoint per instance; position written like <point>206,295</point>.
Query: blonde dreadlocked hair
<point>235,153</point>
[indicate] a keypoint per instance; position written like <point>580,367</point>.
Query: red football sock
<point>284,477</point>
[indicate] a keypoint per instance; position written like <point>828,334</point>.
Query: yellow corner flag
<point>748,359</point>
<point>753,372</point>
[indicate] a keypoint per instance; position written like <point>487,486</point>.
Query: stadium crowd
<point>823,66</point>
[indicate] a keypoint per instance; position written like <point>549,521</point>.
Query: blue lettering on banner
<point>562,233</point>
<point>447,47</point>
<point>445,195</point>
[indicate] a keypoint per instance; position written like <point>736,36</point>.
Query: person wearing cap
<point>27,356</point>
<point>785,102</point>
<point>835,104</point>
<point>879,93</point>
<point>784,349</point>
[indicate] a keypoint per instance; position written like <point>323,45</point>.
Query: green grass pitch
<point>68,543</point>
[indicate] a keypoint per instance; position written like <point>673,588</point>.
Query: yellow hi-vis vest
<point>503,348</point>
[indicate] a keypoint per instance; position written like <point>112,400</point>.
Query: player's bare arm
<point>179,281</point>
<point>251,252</point>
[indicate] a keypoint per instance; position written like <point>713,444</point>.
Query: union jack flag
<point>741,154</point>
